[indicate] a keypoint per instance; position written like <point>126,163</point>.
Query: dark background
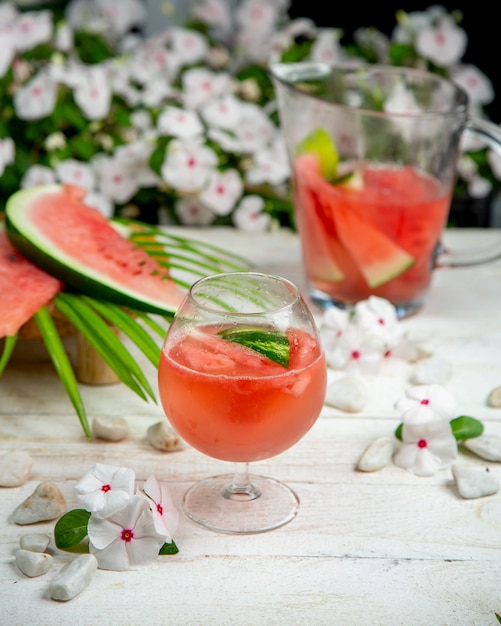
<point>480,21</point>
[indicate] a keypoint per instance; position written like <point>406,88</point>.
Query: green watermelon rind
<point>24,235</point>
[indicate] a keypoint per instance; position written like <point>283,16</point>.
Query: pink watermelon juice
<point>234,404</point>
<point>376,235</point>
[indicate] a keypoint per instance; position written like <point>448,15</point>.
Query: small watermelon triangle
<point>379,258</point>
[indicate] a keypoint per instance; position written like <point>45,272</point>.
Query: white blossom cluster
<point>171,120</point>
<point>126,528</point>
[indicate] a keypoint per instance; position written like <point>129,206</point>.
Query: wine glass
<point>242,377</point>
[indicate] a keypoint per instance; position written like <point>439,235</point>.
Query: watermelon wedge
<point>24,288</point>
<point>378,258</point>
<point>52,227</point>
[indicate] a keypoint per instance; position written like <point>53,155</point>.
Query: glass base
<point>214,504</point>
<point>324,301</point>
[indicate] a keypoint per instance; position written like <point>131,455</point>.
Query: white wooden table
<point>379,548</point>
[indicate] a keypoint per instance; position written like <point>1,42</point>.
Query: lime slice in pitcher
<point>320,143</point>
<point>271,343</point>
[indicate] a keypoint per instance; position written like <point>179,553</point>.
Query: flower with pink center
<point>32,28</point>
<point>188,165</point>
<point>426,448</point>
<point>443,43</point>
<point>188,45</point>
<point>179,122</point>
<point>165,514</point>
<point>223,112</point>
<point>214,13</point>
<point>326,48</point>
<point>192,212</point>
<point>270,166</point>
<point>105,489</point>
<point>476,84</point>
<point>36,99</point>
<point>200,85</point>
<point>77,173</point>
<point>250,216</point>
<point>378,318</point>
<point>352,350</point>
<point>37,175</point>
<point>93,94</point>
<point>127,539</point>
<point>222,191</point>
<point>427,403</point>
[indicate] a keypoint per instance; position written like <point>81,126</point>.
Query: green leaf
<point>8,348</point>
<point>273,344</point>
<point>102,338</point>
<point>169,548</point>
<point>61,362</point>
<point>398,432</point>
<point>71,528</point>
<point>465,427</point>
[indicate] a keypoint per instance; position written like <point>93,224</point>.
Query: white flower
<point>326,47</point>
<point>37,98</point>
<point>249,215</point>
<point>127,539</point>
<point>426,448</point>
<point>100,202</point>
<point>105,489</point>
<point>201,85</point>
<point>93,94</point>
<point>116,179</point>
<point>401,101</point>
<point>7,153</point>
<point>474,82</point>
<point>179,122</point>
<point>222,191</point>
<point>32,28</point>
<point>189,45</point>
<point>75,172</point>
<point>37,175</point>
<point>188,165</point>
<point>214,13</point>
<point>444,43</point>
<point>223,112</point>
<point>7,51</point>
<point>426,403</point>
<point>270,166</point>
<point>378,318</point>
<point>165,514</point>
<point>354,350</point>
<point>192,212</point>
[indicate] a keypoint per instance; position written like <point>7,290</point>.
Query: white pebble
<point>110,428</point>
<point>163,437</point>
<point>432,370</point>
<point>474,482</point>
<point>348,394</point>
<point>494,398</point>
<point>376,456</point>
<point>15,468</point>
<point>487,447</point>
<point>73,578</point>
<point>45,503</point>
<point>33,563</point>
<point>36,542</point>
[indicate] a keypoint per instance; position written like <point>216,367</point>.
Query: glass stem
<point>241,487</point>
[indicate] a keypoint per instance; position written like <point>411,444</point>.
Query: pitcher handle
<point>491,134</point>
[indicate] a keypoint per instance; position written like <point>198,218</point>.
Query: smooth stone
<point>15,468</point>
<point>163,437</point>
<point>487,447</point>
<point>110,428</point>
<point>473,482</point>
<point>377,455</point>
<point>36,542</point>
<point>348,394</point>
<point>33,563</point>
<point>45,503</point>
<point>494,398</point>
<point>432,370</point>
<point>73,578</point>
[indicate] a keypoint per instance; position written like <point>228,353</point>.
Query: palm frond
<point>62,364</point>
<point>8,348</point>
<point>105,342</point>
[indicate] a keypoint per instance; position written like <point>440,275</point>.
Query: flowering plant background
<point>182,127</point>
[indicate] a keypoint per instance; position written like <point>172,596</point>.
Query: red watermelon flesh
<point>24,288</point>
